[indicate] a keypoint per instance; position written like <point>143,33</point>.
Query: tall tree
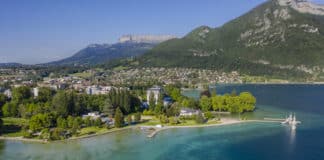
<point>119,118</point>
<point>152,102</point>
<point>1,126</point>
<point>61,104</point>
<point>21,93</point>
<point>137,117</point>
<point>3,99</point>
<point>108,108</point>
<point>129,119</point>
<point>10,109</point>
<point>126,102</point>
<point>205,103</point>
<point>45,94</point>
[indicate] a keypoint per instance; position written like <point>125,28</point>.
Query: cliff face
<point>303,6</point>
<point>145,38</point>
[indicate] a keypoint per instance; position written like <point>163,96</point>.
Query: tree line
<point>63,108</point>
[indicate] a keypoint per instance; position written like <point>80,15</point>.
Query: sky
<point>39,31</point>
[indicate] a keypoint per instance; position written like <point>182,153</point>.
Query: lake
<point>246,141</point>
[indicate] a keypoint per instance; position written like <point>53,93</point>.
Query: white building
<point>156,91</point>
<point>8,93</point>
<point>96,90</point>
<point>36,91</point>
<point>188,112</point>
<point>92,115</point>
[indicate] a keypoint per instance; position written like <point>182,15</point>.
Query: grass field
<point>92,130</point>
<point>82,74</point>
<point>14,121</point>
<point>13,126</point>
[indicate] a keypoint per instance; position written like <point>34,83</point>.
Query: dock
<point>154,130</point>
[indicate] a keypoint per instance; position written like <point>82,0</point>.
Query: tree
<point>45,94</point>
<point>119,118</point>
<point>164,119</point>
<point>3,99</point>
<point>247,101</point>
<point>21,93</point>
<point>70,121</point>
<point>39,122</point>
<point>108,108</point>
<point>56,134</point>
<point>199,118</point>
<point>208,115</point>
<point>173,120</point>
<point>62,123</point>
<point>176,94</point>
<point>158,109</point>
<point>10,109</point>
<point>129,119</point>
<point>87,122</point>
<point>190,103</point>
<point>174,110</point>
<point>218,103</point>
<point>98,122</point>
<point>137,117</point>
<point>152,101</point>
<point>234,104</point>
<point>126,102</point>
<point>205,103</point>
<point>1,126</point>
<point>22,109</point>
<point>76,125</point>
<point>61,104</point>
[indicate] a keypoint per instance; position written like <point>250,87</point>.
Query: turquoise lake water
<point>247,141</point>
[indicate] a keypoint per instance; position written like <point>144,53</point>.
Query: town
<point>96,102</point>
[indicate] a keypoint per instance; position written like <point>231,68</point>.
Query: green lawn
<point>14,121</point>
<point>119,68</point>
<point>92,130</point>
<point>14,134</point>
<point>12,126</point>
<point>154,122</point>
<point>82,74</point>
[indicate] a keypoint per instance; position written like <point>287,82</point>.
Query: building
<point>188,112</point>
<point>145,105</point>
<point>155,91</point>
<point>167,101</point>
<point>36,91</point>
<point>92,115</point>
<point>8,93</point>
<point>96,90</point>
<point>96,115</point>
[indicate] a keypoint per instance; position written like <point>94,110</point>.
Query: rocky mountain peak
<point>145,38</point>
<point>303,6</point>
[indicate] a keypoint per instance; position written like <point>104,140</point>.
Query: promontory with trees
<point>63,114</point>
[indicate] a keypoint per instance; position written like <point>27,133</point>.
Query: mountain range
<point>279,38</point>
<point>128,46</point>
<point>284,38</point>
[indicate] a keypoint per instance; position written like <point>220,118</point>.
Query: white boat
<point>288,120</point>
<point>291,120</point>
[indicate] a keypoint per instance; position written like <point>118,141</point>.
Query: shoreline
<point>21,139</point>
<point>151,135</point>
<point>157,130</point>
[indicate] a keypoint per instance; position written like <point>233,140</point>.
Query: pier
<point>291,121</point>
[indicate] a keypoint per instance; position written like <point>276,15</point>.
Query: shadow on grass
<point>11,129</point>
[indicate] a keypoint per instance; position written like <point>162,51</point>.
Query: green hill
<point>273,39</point>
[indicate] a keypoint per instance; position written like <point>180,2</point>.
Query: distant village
<point>95,82</point>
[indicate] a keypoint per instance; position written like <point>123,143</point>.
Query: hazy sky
<point>37,31</point>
